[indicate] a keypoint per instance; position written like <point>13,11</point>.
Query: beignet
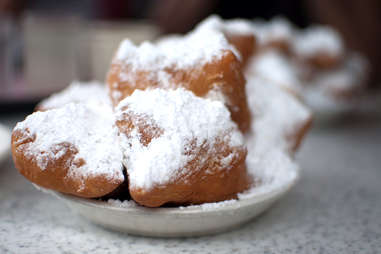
<point>180,149</point>
<point>72,149</point>
<point>207,67</point>
<point>319,46</point>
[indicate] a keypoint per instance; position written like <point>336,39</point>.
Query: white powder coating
<point>316,40</point>
<point>277,29</point>
<point>122,204</point>
<point>275,168</point>
<point>77,92</point>
<point>276,114</point>
<point>184,118</point>
<point>211,206</point>
<point>198,47</point>
<point>233,26</point>
<point>275,67</point>
<point>89,128</point>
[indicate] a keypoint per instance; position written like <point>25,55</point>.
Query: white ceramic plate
<point>5,142</point>
<point>177,222</point>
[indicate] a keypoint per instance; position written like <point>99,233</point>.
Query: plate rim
<point>273,193</point>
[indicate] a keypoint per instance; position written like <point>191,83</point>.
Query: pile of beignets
<point>314,63</point>
<point>171,126</point>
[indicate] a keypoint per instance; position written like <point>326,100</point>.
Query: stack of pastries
<point>313,62</point>
<point>175,123</point>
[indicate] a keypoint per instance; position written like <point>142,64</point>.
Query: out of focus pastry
<point>319,46</point>
<point>317,67</point>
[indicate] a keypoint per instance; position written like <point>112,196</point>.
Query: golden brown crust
<point>245,44</point>
<point>210,183</point>
<point>224,75</point>
<point>54,176</point>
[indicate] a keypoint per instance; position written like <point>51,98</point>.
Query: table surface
<point>335,208</point>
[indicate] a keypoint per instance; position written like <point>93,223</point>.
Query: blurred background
<point>44,45</point>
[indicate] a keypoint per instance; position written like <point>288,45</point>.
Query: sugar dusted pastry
<point>239,33</point>
<point>345,80</point>
<point>180,149</point>
<point>339,87</point>
<point>72,149</point>
<point>202,61</point>
<point>319,46</point>
<point>76,92</point>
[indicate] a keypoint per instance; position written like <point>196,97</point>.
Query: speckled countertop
<point>335,208</point>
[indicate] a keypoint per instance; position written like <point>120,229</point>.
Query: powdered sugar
<point>318,39</point>
<point>122,204</point>
<point>233,26</point>
<point>77,92</point>
<point>277,29</point>
<point>88,128</point>
<point>276,113</point>
<point>211,206</point>
<point>275,169</point>
<point>275,67</point>
<point>196,48</point>
<point>184,118</point>
<point>216,94</point>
